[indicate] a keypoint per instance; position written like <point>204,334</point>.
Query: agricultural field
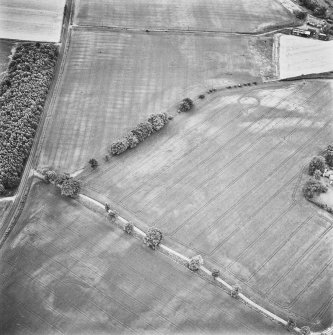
<point>67,270</point>
<point>208,15</point>
<point>224,181</point>
<point>91,109</point>
<point>40,20</point>
<point>5,51</point>
<point>299,56</point>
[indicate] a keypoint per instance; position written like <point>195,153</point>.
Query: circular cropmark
<point>249,102</point>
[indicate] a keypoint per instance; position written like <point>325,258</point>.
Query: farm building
<point>301,32</point>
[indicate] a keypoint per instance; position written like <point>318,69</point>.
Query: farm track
<point>182,31</point>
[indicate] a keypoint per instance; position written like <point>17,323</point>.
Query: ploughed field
<point>67,270</point>
<point>210,15</point>
<point>39,20</point>
<point>113,80</point>
<point>225,181</point>
<point>301,56</point>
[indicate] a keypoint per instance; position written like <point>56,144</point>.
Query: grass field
<point>91,108</point>
<point>223,181</point>
<point>40,20</point>
<point>300,56</point>
<point>66,270</point>
<point>226,15</point>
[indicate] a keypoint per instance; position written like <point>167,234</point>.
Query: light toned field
<point>105,90</point>
<point>224,181</point>
<point>301,56</point>
<point>40,20</point>
<point>211,15</point>
<point>66,270</point>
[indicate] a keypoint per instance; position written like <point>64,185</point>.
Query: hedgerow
<point>143,130</point>
<point>23,92</point>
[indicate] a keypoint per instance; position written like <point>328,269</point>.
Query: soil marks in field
<point>104,91</point>
<point>220,181</point>
<point>211,15</point>
<point>66,270</point>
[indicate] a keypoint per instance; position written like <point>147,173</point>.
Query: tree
<point>143,130</point>
<point>119,146</point>
<point>93,163</point>
<point>291,324</point>
<point>235,291</point>
<point>317,174</point>
<point>319,11</point>
<point>128,228</point>
<point>153,238</point>
<point>112,214</point>
<point>132,140</point>
<point>70,187</point>
<point>305,330</point>
<point>2,189</point>
<point>61,177</point>
<point>317,163</point>
<point>185,105</point>
<point>215,273</point>
<point>158,121</point>
<point>195,263</point>
<point>51,176</point>
<point>328,154</point>
<point>300,14</point>
<point>313,187</point>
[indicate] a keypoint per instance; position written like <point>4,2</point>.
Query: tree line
<point>23,91</point>
<point>143,130</point>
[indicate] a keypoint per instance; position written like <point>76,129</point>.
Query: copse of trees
<point>313,5</point>
<point>23,92</point>
<point>313,187</point>
<point>316,163</point>
<point>69,186</point>
<point>300,14</point>
<point>138,134</point>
